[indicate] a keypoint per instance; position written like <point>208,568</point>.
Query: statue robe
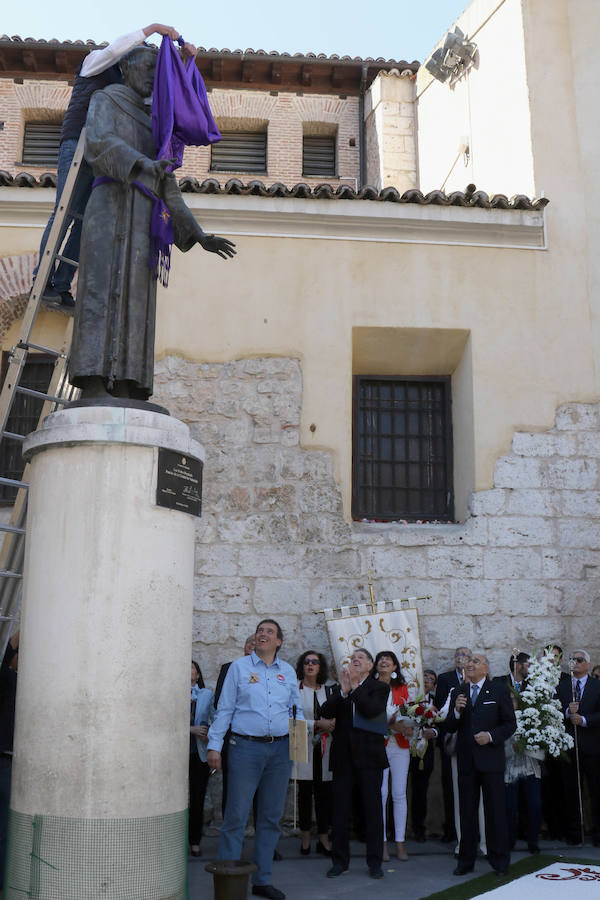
<point>116,292</point>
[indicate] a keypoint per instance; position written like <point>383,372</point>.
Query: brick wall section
<point>285,114</point>
<point>16,278</point>
<point>32,101</point>
<point>524,568</point>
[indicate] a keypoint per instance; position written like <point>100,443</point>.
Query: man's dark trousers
<point>368,782</point>
<point>494,809</point>
<point>482,766</point>
<point>419,787</point>
<point>588,740</point>
<point>446,681</point>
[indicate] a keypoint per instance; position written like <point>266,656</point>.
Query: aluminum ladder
<point>60,392</point>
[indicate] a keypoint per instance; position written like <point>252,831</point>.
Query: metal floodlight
<point>456,54</point>
<point>435,65</point>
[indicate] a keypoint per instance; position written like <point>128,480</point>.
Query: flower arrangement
<point>540,720</point>
<point>422,715</point>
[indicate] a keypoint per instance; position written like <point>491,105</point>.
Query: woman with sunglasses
<point>314,777</point>
<point>397,747</point>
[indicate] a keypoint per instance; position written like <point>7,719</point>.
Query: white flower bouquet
<point>540,720</point>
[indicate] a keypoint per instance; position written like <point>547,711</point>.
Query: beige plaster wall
<point>563,72</point>
<point>529,350</point>
<point>489,106</point>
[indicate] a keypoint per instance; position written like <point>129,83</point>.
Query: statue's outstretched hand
<point>221,246</point>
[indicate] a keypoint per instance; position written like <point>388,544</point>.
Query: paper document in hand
<point>298,741</point>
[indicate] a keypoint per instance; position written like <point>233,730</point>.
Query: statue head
<point>138,69</point>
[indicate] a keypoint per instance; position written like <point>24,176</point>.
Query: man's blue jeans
<point>253,766</point>
<point>62,276</point>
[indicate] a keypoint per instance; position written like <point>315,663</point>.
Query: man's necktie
<point>474,694</point>
<point>517,685</point>
<point>577,691</point>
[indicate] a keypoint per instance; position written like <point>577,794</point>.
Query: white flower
<point>540,722</point>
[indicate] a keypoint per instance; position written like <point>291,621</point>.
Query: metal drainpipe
<point>361,127</point>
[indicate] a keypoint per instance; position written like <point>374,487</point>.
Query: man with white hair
<point>482,714</point>
<point>580,700</point>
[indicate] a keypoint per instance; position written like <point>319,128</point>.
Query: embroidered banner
<point>353,627</point>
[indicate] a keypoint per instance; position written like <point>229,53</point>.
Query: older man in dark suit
<point>358,756</point>
<point>482,713</point>
<point>580,701</point>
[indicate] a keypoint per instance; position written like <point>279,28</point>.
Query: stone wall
<point>390,131</point>
<point>272,541</point>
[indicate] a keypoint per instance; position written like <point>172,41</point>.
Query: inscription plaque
<point>179,482</point>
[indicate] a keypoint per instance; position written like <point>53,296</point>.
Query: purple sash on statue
<point>161,231</point>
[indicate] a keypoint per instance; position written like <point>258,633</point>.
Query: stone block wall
<point>523,569</point>
<point>390,131</point>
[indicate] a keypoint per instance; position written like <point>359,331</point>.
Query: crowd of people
<point>361,755</point>
<point>362,752</point>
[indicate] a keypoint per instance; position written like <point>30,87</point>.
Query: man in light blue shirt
<point>259,695</point>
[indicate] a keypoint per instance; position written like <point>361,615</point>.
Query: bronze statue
<point>113,340</point>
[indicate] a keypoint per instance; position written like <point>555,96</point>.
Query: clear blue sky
<point>393,29</point>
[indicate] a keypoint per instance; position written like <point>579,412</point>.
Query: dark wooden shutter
<point>41,143</point>
<point>240,151</point>
<point>318,156</point>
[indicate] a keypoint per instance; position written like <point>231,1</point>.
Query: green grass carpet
<point>465,890</point>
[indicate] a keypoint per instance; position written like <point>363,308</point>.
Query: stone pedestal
<point>99,791</point>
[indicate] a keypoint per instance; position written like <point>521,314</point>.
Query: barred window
<point>23,418</point>
<point>318,155</point>
<point>240,151</point>
<point>402,449</point>
<point>40,144</point>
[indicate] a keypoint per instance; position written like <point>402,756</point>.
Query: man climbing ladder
<point>99,69</point>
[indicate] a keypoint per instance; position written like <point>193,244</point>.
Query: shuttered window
<point>318,156</point>
<point>23,418</point>
<point>240,151</point>
<point>41,143</point>
<point>402,449</point>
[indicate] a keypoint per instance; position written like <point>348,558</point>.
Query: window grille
<point>402,449</point>
<point>23,418</point>
<point>40,144</point>
<point>240,151</point>
<point>318,156</point>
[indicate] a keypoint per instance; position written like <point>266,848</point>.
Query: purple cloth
<point>181,114</point>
